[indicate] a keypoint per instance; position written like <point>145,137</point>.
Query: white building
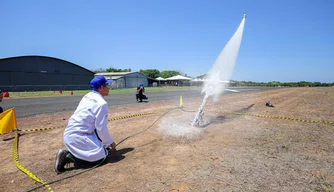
<point>125,79</point>
<point>179,80</point>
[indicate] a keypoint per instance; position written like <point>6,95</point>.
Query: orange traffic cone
<point>6,94</point>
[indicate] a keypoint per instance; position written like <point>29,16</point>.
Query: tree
<point>118,70</point>
<point>202,76</point>
<point>169,73</point>
<point>303,84</point>
<point>99,70</point>
<point>153,73</point>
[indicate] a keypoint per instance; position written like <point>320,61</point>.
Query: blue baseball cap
<point>99,81</point>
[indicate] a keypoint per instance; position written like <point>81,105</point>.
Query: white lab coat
<point>80,136</point>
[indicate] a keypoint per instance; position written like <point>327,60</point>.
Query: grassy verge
<point>83,92</point>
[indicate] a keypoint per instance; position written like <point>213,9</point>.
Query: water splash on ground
<point>174,128</point>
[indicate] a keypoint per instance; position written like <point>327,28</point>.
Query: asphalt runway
<point>26,107</point>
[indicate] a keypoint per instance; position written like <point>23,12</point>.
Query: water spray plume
<point>219,75</point>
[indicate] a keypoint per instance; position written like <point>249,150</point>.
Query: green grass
<point>83,92</point>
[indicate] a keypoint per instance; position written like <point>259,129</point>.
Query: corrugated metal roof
<point>114,73</point>
<point>46,57</point>
<point>116,77</point>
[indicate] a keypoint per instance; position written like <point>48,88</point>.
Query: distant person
<point>140,93</point>
<point>1,98</point>
<point>86,137</point>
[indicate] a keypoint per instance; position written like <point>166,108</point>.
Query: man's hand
<point>113,146</point>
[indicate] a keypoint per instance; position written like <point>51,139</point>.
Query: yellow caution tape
<point>33,130</point>
<point>112,119</point>
<point>21,167</point>
<point>137,115</point>
<point>217,111</point>
<point>33,176</point>
<point>38,129</point>
<point>274,117</point>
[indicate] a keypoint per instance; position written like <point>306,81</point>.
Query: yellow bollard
<point>181,101</point>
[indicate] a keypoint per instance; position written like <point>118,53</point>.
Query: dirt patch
<point>233,153</point>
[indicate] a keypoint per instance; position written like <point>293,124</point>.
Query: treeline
<point>100,70</point>
<point>282,84</point>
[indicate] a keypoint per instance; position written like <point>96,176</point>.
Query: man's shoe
<point>60,161</point>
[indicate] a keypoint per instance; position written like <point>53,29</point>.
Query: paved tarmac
<point>26,107</point>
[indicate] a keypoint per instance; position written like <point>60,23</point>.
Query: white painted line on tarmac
<point>232,90</point>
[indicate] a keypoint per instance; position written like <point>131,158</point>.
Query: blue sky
<point>282,41</point>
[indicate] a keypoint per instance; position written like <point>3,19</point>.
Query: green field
<point>82,92</point>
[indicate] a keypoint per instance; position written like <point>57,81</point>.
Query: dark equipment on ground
<point>268,104</point>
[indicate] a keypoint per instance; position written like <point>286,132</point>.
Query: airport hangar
<point>42,73</point>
